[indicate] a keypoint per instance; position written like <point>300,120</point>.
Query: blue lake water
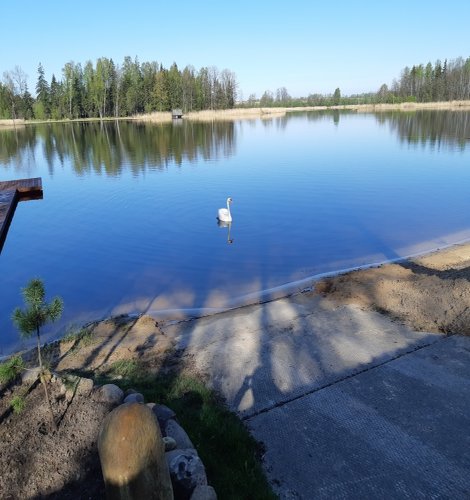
<point>128,219</point>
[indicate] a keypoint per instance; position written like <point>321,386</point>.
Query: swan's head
<point>229,200</point>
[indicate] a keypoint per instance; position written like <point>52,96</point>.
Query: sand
<point>429,293</point>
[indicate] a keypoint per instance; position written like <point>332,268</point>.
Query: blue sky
<point>305,46</point>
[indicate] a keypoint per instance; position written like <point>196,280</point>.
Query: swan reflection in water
<point>222,223</point>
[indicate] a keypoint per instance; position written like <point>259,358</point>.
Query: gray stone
<point>109,393</point>
<point>129,391</point>
<point>163,414</point>
<point>170,443</point>
<point>174,430</point>
<point>132,457</point>
<point>150,405</point>
<point>73,385</point>
<point>84,386</point>
<point>135,397</point>
<point>186,471</point>
<point>71,379</point>
<point>30,375</point>
<point>202,492</point>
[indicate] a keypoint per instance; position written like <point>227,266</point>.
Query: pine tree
<point>33,318</point>
<point>337,97</point>
<point>43,93</point>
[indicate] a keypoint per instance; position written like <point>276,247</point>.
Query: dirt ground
<point>429,293</point>
<point>38,462</point>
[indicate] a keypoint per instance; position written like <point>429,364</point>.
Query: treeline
<point>105,89</point>
<point>446,81</point>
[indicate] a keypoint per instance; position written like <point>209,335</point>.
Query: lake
<point>128,219</point>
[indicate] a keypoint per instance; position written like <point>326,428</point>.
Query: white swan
<point>224,213</point>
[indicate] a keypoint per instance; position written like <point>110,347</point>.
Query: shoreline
<point>254,113</point>
<point>452,256</point>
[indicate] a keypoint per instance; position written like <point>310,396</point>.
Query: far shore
<point>7,124</point>
<point>267,113</point>
<point>257,113</point>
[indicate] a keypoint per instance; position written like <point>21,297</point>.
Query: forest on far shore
<point>106,89</point>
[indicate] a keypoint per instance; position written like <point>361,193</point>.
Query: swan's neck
<point>228,207</point>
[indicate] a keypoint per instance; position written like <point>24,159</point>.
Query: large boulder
<point>132,455</point>
<point>187,471</point>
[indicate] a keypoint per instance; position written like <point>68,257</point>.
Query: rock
<point>202,492</point>
<point>84,386</point>
<point>69,395</point>
<point>129,391</point>
<point>150,405</point>
<point>132,456</point>
<point>109,393</point>
<point>174,430</point>
<point>30,375</point>
<point>134,398</point>
<point>163,414</point>
<point>186,471</point>
<point>170,443</point>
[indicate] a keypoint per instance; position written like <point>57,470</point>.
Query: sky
<point>306,46</point>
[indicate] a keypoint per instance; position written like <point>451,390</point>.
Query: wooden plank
<point>22,185</point>
<point>11,192</point>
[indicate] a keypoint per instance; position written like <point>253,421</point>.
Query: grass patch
<point>18,404</point>
<point>229,452</point>
<point>129,370</point>
<point>10,369</point>
<point>80,338</point>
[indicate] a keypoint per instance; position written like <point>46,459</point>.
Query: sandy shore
<point>429,293</point>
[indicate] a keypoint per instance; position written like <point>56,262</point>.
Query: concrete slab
<point>399,430</point>
<point>261,356</point>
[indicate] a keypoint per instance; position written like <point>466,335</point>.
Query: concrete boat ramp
<point>347,403</point>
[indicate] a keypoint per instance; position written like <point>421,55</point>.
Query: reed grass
<point>215,114</point>
<point>256,113</point>
<point>12,123</point>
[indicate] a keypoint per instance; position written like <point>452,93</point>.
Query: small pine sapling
<point>30,320</point>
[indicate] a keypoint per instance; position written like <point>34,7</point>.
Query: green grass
<point>18,404</point>
<point>225,446</point>
<point>10,369</point>
<point>129,369</point>
<point>81,338</point>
